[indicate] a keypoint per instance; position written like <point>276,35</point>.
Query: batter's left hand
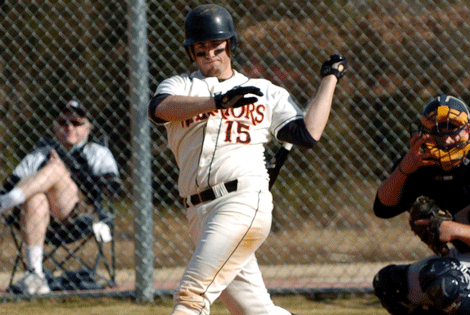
<point>236,97</point>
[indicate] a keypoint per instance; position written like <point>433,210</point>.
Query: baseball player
<point>437,167</point>
<point>218,121</point>
<point>60,178</point>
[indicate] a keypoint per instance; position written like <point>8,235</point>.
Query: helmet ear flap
<point>229,47</point>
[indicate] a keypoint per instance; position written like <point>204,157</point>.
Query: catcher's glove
<point>425,208</point>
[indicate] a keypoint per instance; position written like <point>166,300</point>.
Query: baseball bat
<point>278,160</point>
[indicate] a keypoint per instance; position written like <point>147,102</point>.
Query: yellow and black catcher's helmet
<point>446,115</point>
<point>444,111</point>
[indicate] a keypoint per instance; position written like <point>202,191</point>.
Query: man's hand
<point>416,156</point>
<point>335,65</point>
<point>55,158</point>
<point>236,97</point>
<point>426,220</point>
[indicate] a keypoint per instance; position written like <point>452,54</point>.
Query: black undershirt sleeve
<point>385,212</point>
<point>154,102</point>
<point>296,132</point>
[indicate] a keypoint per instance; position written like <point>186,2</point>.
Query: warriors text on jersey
<point>223,145</point>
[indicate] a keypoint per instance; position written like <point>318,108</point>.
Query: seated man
<point>59,179</point>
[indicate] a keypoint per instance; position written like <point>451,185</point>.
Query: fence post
<point>139,99</point>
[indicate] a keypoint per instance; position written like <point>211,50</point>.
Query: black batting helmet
<point>209,22</point>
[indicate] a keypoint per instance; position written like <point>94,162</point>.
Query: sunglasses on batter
<point>66,122</point>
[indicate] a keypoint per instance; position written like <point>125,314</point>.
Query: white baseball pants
<point>226,232</point>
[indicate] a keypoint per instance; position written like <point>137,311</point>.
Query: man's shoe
<point>31,284</point>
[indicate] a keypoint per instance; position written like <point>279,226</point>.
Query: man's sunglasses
<point>66,122</point>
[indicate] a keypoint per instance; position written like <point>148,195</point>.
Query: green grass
<point>300,305</point>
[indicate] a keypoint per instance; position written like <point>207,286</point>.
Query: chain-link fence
<point>324,234</point>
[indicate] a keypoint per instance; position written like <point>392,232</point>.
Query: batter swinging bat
<point>277,162</point>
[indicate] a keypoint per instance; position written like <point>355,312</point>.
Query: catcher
<point>432,182</point>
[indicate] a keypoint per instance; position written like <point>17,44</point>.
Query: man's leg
<point>434,285</point>
<point>227,232</point>
<point>391,286</point>
<point>53,179</point>
<point>49,192</point>
<point>35,217</point>
<point>446,281</point>
<point>247,294</point>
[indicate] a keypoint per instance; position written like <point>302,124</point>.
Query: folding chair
<point>65,242</point>
<point>65,267</point>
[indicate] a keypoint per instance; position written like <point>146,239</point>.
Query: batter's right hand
<point>416,156</point>
<point>236,97</point>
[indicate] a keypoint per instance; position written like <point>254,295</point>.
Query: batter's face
<point>213,59</point>
<point>71,129</point>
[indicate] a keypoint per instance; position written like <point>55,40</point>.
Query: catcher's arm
<point>278,160</point>
<point>458,233</point>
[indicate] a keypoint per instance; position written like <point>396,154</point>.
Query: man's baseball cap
<point>73,106</point>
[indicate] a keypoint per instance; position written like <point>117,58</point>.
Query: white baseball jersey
<point>223,145</point>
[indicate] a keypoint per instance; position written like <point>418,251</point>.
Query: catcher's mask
<point>443,117</point>
<point>206,23</point>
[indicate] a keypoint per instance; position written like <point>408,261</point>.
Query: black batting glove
<point>335,65</point>
<point>236,97</point>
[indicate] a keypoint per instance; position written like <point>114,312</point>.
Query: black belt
<point>209,194</point>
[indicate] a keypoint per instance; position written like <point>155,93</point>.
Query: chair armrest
<point>109,184</point>
<point>102,231</point>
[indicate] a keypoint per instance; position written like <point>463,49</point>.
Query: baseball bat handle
<point>287,145</point>
<point>274,166</point>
